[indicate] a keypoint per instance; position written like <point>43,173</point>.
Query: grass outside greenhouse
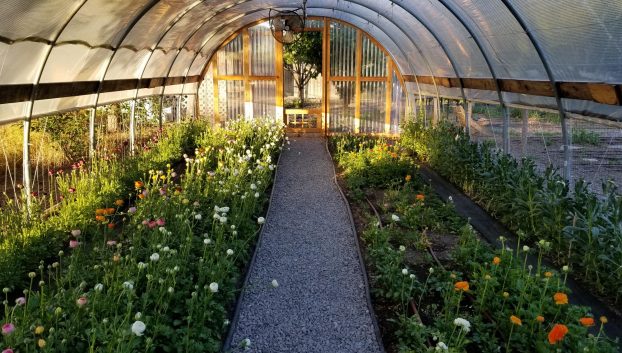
<point>143,254</point>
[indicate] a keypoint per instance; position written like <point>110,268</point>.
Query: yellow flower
<point>39,330</point>
<point>462,286</point>
<point>408,178</point>
<point>506,294</point>
<point>603,320</point>
<point>548,274</point>
<point>119,202</point>
<point>516,320</point>
<point>41,343</point>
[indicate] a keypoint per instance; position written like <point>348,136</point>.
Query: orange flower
<point>99,211</point>
<point>560,298</point>
<point>109,211</point>
<point>496,260</point>
<point>557,333</point>
<point>587,321</point>
<point>141,196</point>
<point>138,184</point>
<point>100,218</point>
<point>420,197</point>
<point>540,318</point>
<point>462,286</point>
<point>516,320</point>
<point>393,155</point>
<point>548,274</point>
<point>119,202</point>
<point>408,178</point>
<point>111,225</point>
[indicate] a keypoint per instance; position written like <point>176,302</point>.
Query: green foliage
<point>584,229</point>
<point>585,137</point>
<point>303,58</point>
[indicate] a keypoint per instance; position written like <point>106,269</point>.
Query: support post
<point>506,129</point>
<point>161,108</point>
<point>178,116</point>
<point>468,116</point>
<point>195,106</point>
<point>92,113</point>
<point>524,133</point>
<point>357,95</point>
<point>133,126</point>
<point>436,108</point>
<point>566,138</point>
<point>26,164</point>
<point>388,98</point>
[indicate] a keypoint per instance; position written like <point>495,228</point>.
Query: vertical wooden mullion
<point>246,72</point>
<point>280,82</point>
<point>357,73</point>
<point>388,97</point>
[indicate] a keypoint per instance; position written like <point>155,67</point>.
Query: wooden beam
<point>280,82</point>
<point>326,73</point>
<point>216,91</point>
<point>246,72</point>
<point>388,96</point>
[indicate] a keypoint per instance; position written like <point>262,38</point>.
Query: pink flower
<point>111,243</point>
<point>8,329</point>
<point>72,190</point>
<point>145,222</point>
<point>73,244</point>
<point>20,301</point>
<point>152,224</point>
<point>82,301</point>
<point>8,350</point>
<point>162,191</point>
<point>160,222</point>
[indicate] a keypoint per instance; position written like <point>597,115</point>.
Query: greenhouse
<point>398,176</point>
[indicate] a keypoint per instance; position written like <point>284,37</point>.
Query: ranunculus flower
<point>41,343</point>
<point>420,197</point>
<point>261,220</point>
<point>496,260</point>
<point>154,257</point>
<point>462,286</point>
<point>82,301</point>
<point>73,244</point>
<point>20,301</point>
<point>516,320</point>
<point>8,329</point>
<point>395,218</point>
<point>8,350</point>
<point>557,333</point>
<point>111,242</point>
<point>160,222</point>
<point>463,323</point>
<point>99,287</point>
<point>76,232</point>
<point>39,330</point>
<point>560,298</point>
<point>213,287</point>
<point>587,321</point>
<point>229,252</point>
<point>138,328</point>
<point>540,318</point>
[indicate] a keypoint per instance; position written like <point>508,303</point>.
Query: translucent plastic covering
<point>96,41</point>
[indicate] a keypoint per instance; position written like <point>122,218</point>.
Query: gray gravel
<point>309,247</point>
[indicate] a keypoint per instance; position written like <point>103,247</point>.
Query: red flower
<point>557,333</point>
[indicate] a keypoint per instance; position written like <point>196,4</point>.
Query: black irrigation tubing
<point>490,229</point>
<point>247,270</point>
<point>370,305</point>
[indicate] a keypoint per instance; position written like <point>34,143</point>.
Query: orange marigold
<point>548,274</point>
<point>408,178</point>
<point>560,298</point>
<point>111,225</point>
<point>540,318</point>
<point>138,184</point>
<point>420,197</point>
<point>99,211</point>
<point>496,260</point>
<point>462,286</point>
<point>587,321</point>
<point>516,320</point>
<point>557,333</point>
<point>119,202</point>
<point>100,218</point>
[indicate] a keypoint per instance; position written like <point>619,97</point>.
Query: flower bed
<point>160,275</point>
<point>583,229</point>
<point>440,289</point>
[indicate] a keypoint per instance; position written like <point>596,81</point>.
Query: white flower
<point>99,287</point>
<point>565,268</point>
<point>261,220</point>
<point>207,241</point>
<point>142,265</point>
<point>170,289</point>
<point>256,195</point>
<point>525,248</point>
<point>128,285</point>
<point>275,283</point>
<point>451,199</point>
<point>138,316</point>
<point>223,220</point>
<point>198,216</point>
<point>154,257</point>
<point>412,276</point>
<point>441,346</point>
<point>253,187</point>
<point>229,252</point>
<point>431,270</point>
<point>395,218</point>
<point>402,248</point>
<point>224,209</point>
<point>246,343</point>
<point>213,287</point>
<point>404,271</point>
<point>464,324</point>
<point>138,328</point>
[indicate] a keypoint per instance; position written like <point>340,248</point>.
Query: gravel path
<point>308,245</point>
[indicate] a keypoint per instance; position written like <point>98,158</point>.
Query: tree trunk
<point>301,95</point>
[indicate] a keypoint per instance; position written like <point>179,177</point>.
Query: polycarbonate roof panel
<point>505,43</point>
<point>35,19</point>
<point>85,65</point>
<point>582,40</point>
<point>101,22</point>
<point>21,61</point>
